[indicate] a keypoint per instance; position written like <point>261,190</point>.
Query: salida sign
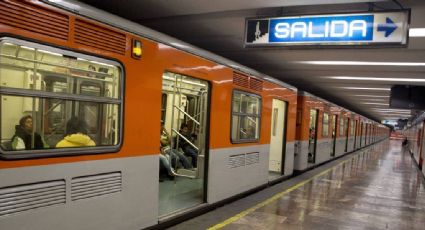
<point>343,29</point>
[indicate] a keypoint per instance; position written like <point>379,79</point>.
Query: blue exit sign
<point>342,29</point>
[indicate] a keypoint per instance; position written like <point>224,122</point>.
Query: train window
<point>352,128</point>
<point>325,131</point>
<point>48,94</point>
<point>341,127</point>
<point>245,117</point>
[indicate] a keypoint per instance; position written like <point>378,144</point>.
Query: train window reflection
<point>50,123</point>
<point>245,117</point>
<point>325,130</point>
<point>28,68</point>
<point>49,98</point>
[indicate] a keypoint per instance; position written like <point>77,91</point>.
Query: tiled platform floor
<point>376,188</point>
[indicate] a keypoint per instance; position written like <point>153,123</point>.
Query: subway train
<point>86,96</point>
<point>415,141</point>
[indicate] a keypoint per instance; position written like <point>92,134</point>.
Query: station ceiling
<point>350,77</point>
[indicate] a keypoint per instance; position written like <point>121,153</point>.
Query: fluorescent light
<point>51,53</point>
<point>373,103</point>
<point>368,96</point>
<point>28,48</point>
<point>417,32</point>
<point>373,99</point>
<point>100,63</point>
<point>397,110</point>
<point>193,83</point>
<point>356,63</point>
<point>378,79</point>
<point>179,45</point>
<point>390,111</point>
<point>365,88</point>
<point>184,81</point>
<point>168,78</point>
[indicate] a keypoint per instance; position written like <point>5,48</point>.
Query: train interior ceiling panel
<point>109,120</point>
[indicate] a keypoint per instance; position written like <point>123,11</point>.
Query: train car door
<point>312,135</point>
<point>361,134</point>
<point>183,143</point>
<point>346,131</point>
<point>421,150</point>
<point>277,139</point>
<point>365,135</point>
<point>334,128</point>
<point>420,146</point>
<point>355,135</point>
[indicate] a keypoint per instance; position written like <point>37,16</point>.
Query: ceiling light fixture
<point>365,88</point>
<point>368,96</point>
<point>373,103</point>
<point>378,79</point>
<point>417,32</point>
<point>373,99</point>
<point>386,111</point>
<point>357,63</point>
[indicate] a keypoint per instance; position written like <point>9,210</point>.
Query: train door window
<point>245,117</point>
<point>184,117</point>
<point>325,130</point>
<point>50,94</point>
<point>312,139</point>
<point>341,127</point>
<point>352,127</point>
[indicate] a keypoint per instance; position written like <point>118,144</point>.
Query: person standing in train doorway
<point>23,138</point>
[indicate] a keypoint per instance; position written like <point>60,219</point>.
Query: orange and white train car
<point>64,60</point>
<point>415,135</point>
<point>325,131</point>
<point>61,60</point>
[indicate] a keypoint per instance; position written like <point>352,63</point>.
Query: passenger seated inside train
<point>165,168</point>
<point>187,148</point>
<point>23,138</point>
<point>91,68</point>
<point>76,135</point>
<point>248,133</point>
<point>173,155</point>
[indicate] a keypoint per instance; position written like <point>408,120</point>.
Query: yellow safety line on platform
<point>271,199</point>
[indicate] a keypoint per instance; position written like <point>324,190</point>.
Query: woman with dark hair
<point>76,135</point>
<point>23,139</point>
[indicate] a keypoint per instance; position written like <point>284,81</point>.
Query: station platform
<point>378,187</point>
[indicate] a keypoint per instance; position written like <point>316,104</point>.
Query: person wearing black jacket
<point>23,140</point>
<point>185,146</point>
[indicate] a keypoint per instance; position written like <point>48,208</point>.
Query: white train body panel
<point>134,207</point>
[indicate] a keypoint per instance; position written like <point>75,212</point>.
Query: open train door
<point>346,133</point>
<point>334,128</point>
<point>421,146</point>
<point>312,136</point>
<point>421,140</point>
<point>277,139</point>
<point>184,118</point>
